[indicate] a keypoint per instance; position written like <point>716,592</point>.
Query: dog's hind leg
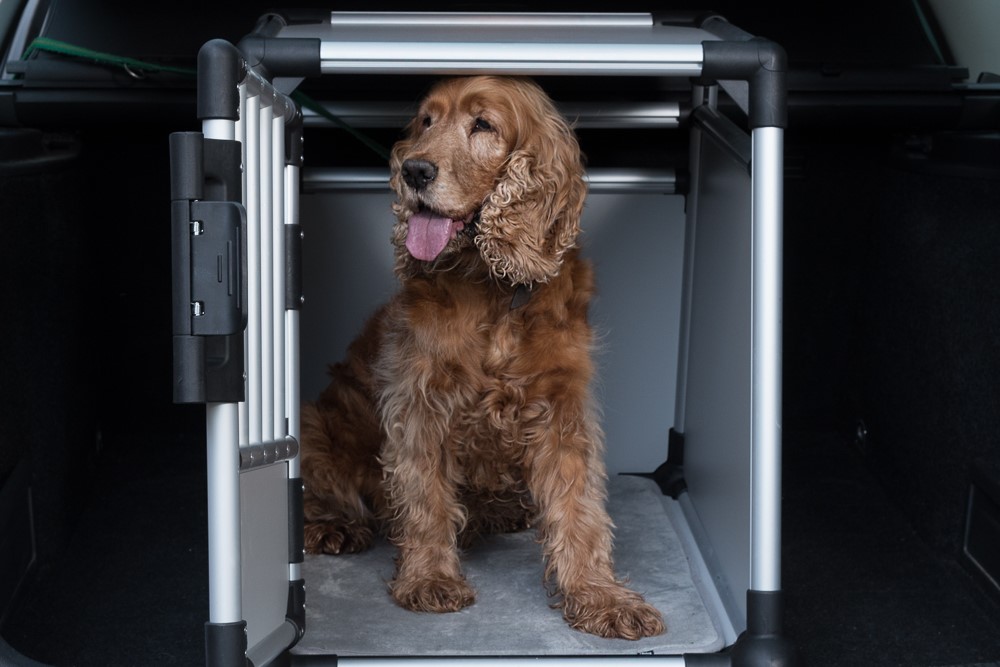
<point>342,480</point>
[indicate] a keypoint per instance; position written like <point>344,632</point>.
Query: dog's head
<point>488,166</point>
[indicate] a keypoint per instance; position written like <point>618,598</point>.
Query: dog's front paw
<point>437,593</point>
<point>622,616</point>
<point>328,537</point>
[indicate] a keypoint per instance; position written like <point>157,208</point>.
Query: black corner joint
<point>295,613</point>
<point>226,645</point>
<point>221,68</point>
<point>760,62</point>
<point>763,642</point>
<point>289,56</point>
<point>270,56</point>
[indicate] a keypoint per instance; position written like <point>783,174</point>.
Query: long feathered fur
<point>455,413</point>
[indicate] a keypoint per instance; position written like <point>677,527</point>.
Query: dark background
<point>892,334</point>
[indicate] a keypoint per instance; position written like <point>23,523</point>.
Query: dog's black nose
<point>418,173</point>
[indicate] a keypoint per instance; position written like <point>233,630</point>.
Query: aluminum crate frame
<point>237,288</point>
<point>236,296</point>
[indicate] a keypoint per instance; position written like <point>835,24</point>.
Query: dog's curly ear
<point>404,204</point>
<point>533,215</point>
<point>401,207</point>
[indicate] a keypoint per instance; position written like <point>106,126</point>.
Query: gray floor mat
<point>348,611</point>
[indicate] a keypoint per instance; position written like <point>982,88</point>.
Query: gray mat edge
<point>318,642</point>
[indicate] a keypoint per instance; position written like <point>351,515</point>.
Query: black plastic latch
<point>209,258</point>
<point>218,268</point>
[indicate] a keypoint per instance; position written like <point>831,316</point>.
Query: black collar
<point>522,293</point>
<point>472,226</point>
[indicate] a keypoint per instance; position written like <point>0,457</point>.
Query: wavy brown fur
<point>455,414</point>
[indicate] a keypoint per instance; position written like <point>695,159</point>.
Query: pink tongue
<point>427,234</point>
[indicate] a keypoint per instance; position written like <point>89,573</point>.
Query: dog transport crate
<point>698,534</point>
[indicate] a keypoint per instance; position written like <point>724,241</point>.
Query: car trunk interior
<point>891,318</point>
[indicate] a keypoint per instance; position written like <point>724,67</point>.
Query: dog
<point>464,407</point>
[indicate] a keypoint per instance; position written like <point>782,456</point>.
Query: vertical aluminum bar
<point>292,326</point>
<point>218,128</point>
<point>251,195</point>
<point>225,598</point>
<point>768,193</point>
<point>278,427</point>
<point>292,348</point>
<point>223,464</point>
<point>241,136</point>
<point>266,270</point>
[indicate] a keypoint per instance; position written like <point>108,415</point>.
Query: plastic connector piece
<point>186,155</point>
<point>293,139</point>
<point>295,611</point>
<point>293,267</point>
<point>221,69</point>
<point>763,642</point>
<point>684,18</point>
<point>296,521</point>
<point>226,644</point>
<point>271,57</point>
<point>761,63</point>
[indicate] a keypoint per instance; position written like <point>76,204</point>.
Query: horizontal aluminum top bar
<point>571,19</point>
<point>329,179</point>
<point>582,115</point>
<point>549,44</point>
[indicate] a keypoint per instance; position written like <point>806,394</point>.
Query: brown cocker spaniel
<point>464,407</point>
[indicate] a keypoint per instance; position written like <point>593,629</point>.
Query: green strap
<point>307,102</point>
<point>132,66</point>
<point>63,48</point>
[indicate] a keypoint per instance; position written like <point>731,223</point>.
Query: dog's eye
<point>426,122</point>
<point>482,125</point>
